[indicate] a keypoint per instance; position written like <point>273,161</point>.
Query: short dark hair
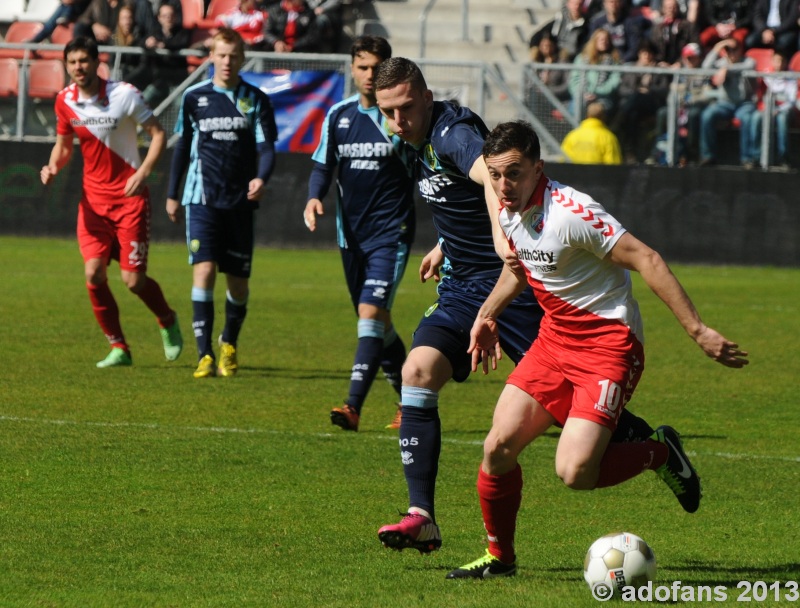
<point>82,43</point>
<point>514,135</point>
<point>399,70</point>
<point>375,45</point>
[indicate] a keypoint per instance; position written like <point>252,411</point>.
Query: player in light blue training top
<point>227,133</point>
<point>374,222</point>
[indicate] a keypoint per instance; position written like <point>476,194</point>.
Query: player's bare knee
<point>415,375</point>
<point>577,476</point>
<point>499,453</point>
<point>134,281</point>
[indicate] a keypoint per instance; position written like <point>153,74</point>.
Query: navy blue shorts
<point>373,277</point>
<point>224,236</point>
<point>446,325</point>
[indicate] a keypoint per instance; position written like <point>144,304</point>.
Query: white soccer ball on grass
<point>618,560</point>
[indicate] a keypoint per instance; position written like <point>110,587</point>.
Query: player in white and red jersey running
<point>114,211</point>
<point>588,357</point>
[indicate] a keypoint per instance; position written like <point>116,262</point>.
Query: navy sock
<point>366,362</point>
<point>420,445</point>
<point>203,324</point>
<point>235,312</point>
<point>394,355</point>
<point>631,428</point>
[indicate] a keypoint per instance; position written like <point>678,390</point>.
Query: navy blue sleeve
<point>461,146</point>
<point>180,161</point>
<point>266,160</point>
<point>320,180</point>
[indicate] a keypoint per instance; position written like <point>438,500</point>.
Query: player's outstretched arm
<point>484,340</point>
<point>631,253</point>
<point>59,156</point>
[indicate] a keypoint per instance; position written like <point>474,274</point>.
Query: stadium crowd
<point>728,36</point>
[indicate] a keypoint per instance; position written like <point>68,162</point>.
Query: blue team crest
<point>244,104</point>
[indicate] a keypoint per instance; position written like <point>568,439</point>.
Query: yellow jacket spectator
<point>592,143</point>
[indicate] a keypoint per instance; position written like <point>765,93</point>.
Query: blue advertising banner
<point>301,100</point>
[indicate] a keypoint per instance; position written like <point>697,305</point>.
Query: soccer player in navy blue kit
<point>454,181</point>
<point>227,133</point>
<point>374,222</point>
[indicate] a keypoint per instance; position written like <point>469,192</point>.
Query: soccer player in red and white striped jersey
<point>585,363</point>
<point>114,210</point>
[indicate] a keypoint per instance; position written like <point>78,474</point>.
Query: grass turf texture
<point>144,487</point>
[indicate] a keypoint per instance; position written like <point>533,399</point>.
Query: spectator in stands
<point>626,28</point>
<point>329,22</point>
<point>693,96</point>
<point>725,19</point>
<point>587,86</point>
<point>734,99</point>
<point>292,28</point>
<point>570,29</point>
<point>775,26</point>
<point>100,19</point>
<point>785,106</point>
<point>67,11</point>
<point>686,7</point>
<point>128,34</point>
<point>592,143</point>
<point>556,80</point>
<point>247,19</point>
<point>590,8</point>
<point>671,34</point>
<point>642,94</point>
<point>165,72</point>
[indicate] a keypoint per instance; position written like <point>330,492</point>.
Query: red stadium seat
<point>46,78</point>
<point>9,77</point>
<point>20,31</point>
<point>763,58</point>
<point>794,62</point>
<point>215,9</point>
<point>198,35</point>
<point>9,92</point>
<point>61,35</point>
<point>192,12</point>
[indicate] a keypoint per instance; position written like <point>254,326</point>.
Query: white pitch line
<point>256,431</point>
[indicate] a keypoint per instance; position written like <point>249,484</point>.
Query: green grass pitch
<point>144,487</point>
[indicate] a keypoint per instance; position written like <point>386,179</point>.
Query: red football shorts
<point>118,231</point>
<point>585,382</point>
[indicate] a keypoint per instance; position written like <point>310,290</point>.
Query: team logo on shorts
<point>194,245</point>
<point>431,310</point>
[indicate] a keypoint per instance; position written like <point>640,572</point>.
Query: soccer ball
<point>618,560</point>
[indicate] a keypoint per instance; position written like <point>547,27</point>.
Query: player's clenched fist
<point>47,174</point>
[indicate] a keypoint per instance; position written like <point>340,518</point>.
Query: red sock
<point>153,298</point>
<point>500,497</point>
<point>107,313</point>
<point>623,461</point>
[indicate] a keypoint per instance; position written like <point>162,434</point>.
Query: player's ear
<point>428,98</point>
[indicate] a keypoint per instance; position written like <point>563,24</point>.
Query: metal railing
<point>558,115</point>
<point>471,83</point>
<point>423,24</point>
